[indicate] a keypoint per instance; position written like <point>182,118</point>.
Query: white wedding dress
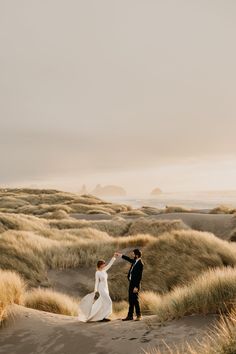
<point>90,310</point>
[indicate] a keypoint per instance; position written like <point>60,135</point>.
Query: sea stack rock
<point>156,191</point>
<point>83,190</point>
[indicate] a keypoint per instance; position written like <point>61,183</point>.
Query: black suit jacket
<point>136,271</point>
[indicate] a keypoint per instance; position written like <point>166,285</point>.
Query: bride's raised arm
<point>108,266</point>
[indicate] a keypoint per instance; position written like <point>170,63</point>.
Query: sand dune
<point>37,332</point>
<point>75,282</point>
<point>44,240</point>
<point>220,225</point>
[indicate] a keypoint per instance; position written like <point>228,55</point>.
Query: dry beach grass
<point>51,301</point>
<point>176,258</point>
<point>213,291</point>
<point>186,271</point>
<point>12,289</point>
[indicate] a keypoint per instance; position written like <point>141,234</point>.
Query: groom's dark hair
<point>137,252</point>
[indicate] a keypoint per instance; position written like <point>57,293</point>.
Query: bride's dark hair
<point>100,262</point>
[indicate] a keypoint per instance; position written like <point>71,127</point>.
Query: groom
<point>134,277</point>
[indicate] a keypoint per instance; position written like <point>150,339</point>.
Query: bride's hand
<point>96,295</point>
<point>117,254</point>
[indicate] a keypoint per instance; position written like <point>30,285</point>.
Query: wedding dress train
<point>97,310</point>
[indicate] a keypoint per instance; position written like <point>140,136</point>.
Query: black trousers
<point>133,302</point>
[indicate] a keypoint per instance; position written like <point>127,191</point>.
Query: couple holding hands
<point>97,306</point>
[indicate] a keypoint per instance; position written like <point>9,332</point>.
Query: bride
<point>97,306</point>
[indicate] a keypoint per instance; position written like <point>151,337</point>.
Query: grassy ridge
<point>176,258</point>
<point>31,245</point>
<point>223,209</point>
<point>186,271</point>
<point>31,253</point>
<point>213,291</point>
<point>53,204</point>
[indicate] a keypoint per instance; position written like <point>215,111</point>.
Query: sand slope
<point>75,282</point>
<point>45,333</point>
<point>219,224</point>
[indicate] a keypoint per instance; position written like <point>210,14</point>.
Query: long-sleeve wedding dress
<point>97,310</point>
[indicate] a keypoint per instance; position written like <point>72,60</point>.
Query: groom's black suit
<point>134,277</point>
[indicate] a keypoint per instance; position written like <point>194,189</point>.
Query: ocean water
<point>197,200</point>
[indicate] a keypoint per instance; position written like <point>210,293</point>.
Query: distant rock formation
<point>110,190</point>
<point>83,190</point>
<point>156,191</point>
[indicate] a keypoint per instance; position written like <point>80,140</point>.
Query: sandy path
<point>36,332</point>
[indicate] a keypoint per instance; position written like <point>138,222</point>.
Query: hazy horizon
<point>132,93</point>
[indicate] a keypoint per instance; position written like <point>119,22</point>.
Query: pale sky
<point>140,93</point>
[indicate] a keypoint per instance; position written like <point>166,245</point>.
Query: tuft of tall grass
<point>222,340</point>
<point>119,309</point>
<point>12,288</point>
<point>176,209</point>
<point>151,210</point>
<point>25,253</point>
<point>223,209</point>
<point>212,292</point>
<point>51,301</point>
<point>133,213</point>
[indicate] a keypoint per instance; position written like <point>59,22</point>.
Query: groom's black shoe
<point>127,319</point>
<point>105,320</point>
